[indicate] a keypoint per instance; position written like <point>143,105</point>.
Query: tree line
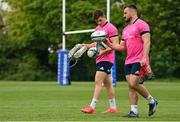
<point>32,26</point>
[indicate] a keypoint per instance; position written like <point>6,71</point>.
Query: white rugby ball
<point>92,52</point>
<point>98,36</point>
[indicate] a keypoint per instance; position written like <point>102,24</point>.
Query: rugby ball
<point>98,36</point>
<point>92,52</point>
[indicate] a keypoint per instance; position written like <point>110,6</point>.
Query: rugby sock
<point>93,103</point>
<point>112,103</point>
<point>134,108</point>
<point>150,99</point>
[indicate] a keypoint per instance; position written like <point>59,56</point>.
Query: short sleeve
<point>143,27</point>
<point>112,31</point>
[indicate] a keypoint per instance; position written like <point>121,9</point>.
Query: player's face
<point>100,21</point>
<point>127,15</point>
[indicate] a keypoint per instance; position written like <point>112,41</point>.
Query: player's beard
<point>127,19</point>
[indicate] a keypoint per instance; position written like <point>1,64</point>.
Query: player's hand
<point>143,62</point>
<point>87,45</point>
<point>109,43</point>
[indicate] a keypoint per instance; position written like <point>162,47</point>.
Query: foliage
<point>33,25</point>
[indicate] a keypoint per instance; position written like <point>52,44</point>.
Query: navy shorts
<point>133,68</point>
<point>104,66</point>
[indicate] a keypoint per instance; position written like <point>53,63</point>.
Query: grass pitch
<point>48,101</point>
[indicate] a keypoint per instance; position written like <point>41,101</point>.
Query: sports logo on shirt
<point>137,73</point>
<point>102,68</point>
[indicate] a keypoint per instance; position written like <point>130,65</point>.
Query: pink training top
<point>132,35</point>
<point>111,31</point>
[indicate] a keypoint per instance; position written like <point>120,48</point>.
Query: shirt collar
<point>104,24</point>
<point>135,20</point>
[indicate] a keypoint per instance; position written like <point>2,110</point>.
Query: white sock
<point>150,99</point>
<point>134,108</point>
<point>112,103</point>
<point>93,103</point>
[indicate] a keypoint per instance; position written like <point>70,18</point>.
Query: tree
<point>34,25</point>
<point>31,28</point>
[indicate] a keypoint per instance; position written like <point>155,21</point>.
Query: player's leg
<point>99,78</point>
<point>133,96</point>
<point>152,102</point>
<point>133,84</point>
<point>133,99</point>
<point>133,80</point>
<point>141,89</point>
<point>111,95</point>
<point>102,70</point>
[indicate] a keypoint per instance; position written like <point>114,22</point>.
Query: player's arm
<point>119,47</point>
<point>146,47</point>
<point>90,45</point>
<point>114,41</point>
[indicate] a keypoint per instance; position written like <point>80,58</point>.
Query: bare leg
<point>141,89</point>
<point>109,87</point>
<point>133,84</point>
<point>111,95</point>
<point>99,79</point>
<point>133,96</point>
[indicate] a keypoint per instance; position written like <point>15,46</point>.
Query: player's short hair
<point>132,6</point>
<point>97,14</point>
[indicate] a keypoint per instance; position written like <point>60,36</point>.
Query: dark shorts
<point>104,66</point>
<point>133,68</point>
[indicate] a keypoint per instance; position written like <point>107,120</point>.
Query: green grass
<point>48,101</point>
